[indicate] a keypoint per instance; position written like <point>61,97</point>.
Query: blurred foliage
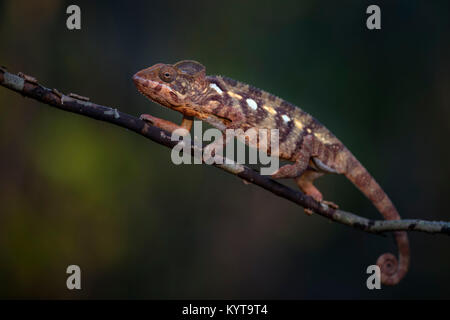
<point>77,191</point>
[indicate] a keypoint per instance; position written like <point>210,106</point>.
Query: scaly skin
<point>313,149</point>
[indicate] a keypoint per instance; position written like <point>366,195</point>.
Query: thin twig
<point>29,87</point>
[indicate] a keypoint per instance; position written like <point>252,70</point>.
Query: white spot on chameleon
<point>285,118</point>
<point>252,104</point>
<point>215,87</point>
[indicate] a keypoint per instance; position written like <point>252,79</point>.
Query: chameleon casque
<point>314,150</point>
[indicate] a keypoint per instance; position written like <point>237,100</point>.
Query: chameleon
<point>309,147</point>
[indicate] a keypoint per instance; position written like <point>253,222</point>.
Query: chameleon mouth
<point>158,99</point>
<point>145,87</point>
<point>155,91</point>
<point>140,83</point>
<point>150,92</point>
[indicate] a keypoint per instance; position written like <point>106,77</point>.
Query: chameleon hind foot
<point>305,183</point>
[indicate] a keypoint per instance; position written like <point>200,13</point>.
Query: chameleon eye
<point>167,74</point>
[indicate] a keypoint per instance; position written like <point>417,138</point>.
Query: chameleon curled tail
<point>392,271</point>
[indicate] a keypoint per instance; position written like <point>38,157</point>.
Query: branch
<point>29,87</point>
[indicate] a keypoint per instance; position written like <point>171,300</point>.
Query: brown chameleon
<point>313,149</point>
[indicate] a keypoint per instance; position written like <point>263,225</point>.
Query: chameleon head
<point>175,86</point>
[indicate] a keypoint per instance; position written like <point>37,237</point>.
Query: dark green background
<point>77,191</point>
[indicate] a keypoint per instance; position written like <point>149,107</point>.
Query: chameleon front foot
<point>213,152</point>
<point>330,204</point>
<point>148,118</point>
<point>161,123</point>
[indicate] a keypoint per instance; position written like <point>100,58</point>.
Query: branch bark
<point>29,87</point>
